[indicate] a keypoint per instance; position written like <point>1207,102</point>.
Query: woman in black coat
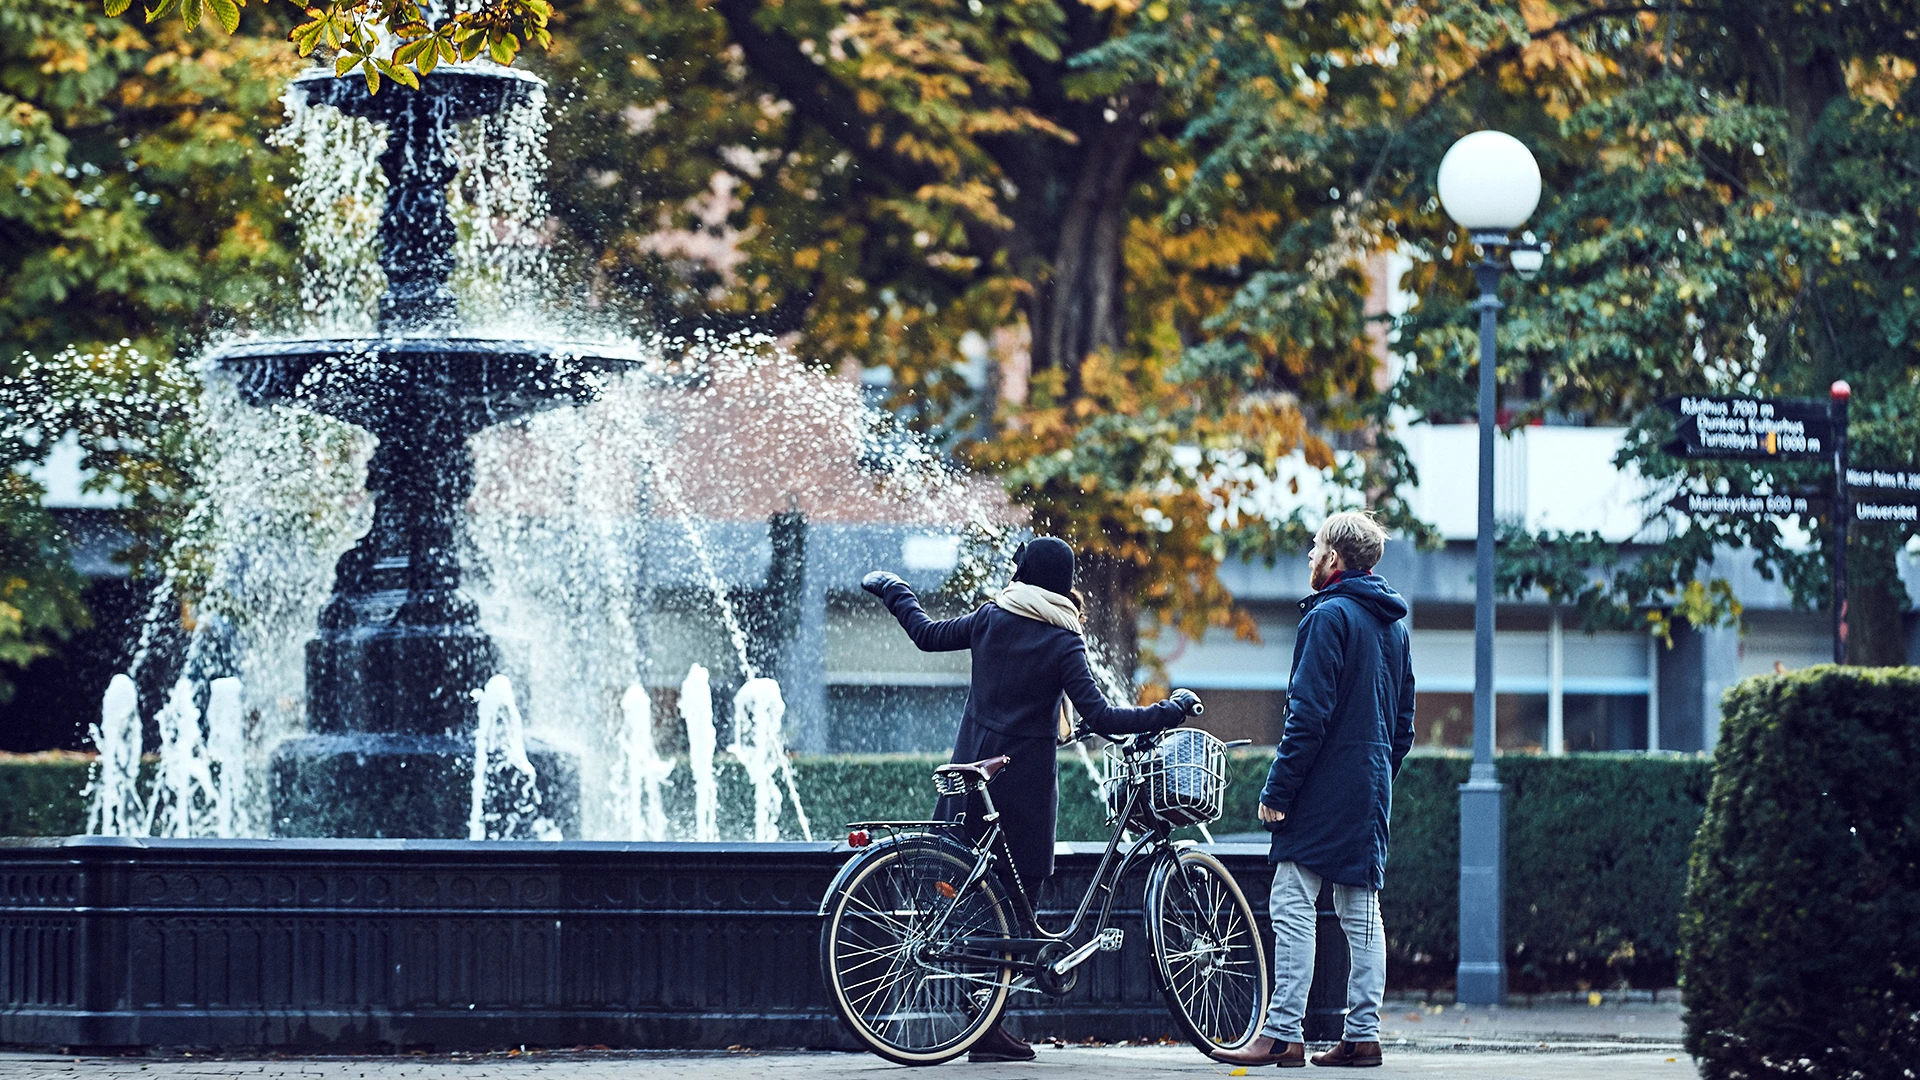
<point>1027,652</point>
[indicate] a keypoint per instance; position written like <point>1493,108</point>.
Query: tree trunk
<point>1078,303</point>
<point>1876,636</point>
<point>1070,228</point>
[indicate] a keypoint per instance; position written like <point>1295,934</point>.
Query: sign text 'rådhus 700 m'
<point>1708,426</point>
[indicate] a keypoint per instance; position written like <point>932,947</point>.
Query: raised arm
<point>1077,680</point>
<point>948,635</point>
<point>1310,700</point>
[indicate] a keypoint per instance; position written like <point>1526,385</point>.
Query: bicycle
<point>925,943</point>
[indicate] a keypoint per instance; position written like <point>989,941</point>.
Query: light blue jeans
<point>1292,904</point>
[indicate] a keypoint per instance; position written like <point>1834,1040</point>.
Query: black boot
<point>997,1045</point>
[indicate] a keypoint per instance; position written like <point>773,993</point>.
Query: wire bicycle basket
<point>1183,780</point>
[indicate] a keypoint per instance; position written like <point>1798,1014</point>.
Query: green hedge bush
<point>41,794</point>
<point>1596,859</point>
<point>1801,929</point>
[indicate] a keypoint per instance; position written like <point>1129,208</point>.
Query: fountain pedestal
<point>399,649</point>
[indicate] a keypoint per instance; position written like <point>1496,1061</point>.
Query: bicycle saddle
<point>984,770</point>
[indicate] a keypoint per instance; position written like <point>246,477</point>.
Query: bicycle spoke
<point>895,998</point>
<point>1209,955</point>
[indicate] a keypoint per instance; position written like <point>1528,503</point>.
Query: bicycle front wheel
<point>1207,951</point>
<point>898,984</point>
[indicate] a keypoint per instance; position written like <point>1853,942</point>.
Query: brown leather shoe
<point>997,1045</point>
<point>1351,1055</point>
<point>1264,1050</point>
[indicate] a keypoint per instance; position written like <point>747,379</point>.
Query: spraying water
<point>183,791</point>
<point>227,753</point>
<point>115,781</point>
<point>702,436</point>
<point>696,711</point>
<point>639,770</point>
<point>761,748</point>
<point>506,792</point>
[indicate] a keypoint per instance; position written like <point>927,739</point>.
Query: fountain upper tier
<point>399,645</point>
<point>464,383</point>
<point>417,235</point>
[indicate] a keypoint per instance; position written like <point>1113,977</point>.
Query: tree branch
<point>1506,52</point>
<point>819,98</point>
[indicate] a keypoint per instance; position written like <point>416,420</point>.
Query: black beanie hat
<point>1047,562</point>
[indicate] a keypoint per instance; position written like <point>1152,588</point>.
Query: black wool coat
<point>1349,727</point>
<point>1021,667</point>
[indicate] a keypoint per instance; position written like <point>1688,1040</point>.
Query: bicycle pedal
<point>1110,939</point>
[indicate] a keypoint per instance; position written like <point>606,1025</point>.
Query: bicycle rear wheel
<point>898,1000</point>
<point>1207,951</point>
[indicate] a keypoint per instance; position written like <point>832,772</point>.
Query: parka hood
<point>1370,591</point>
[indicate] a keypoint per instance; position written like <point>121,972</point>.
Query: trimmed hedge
<point>41,794</point>
<point>1596,846</point>
<point>1801,930</point>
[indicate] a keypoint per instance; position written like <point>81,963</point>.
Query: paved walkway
<point>1557,1042</point>
<point>1642,1024</point>
<point>1450,1042</point>
<point>1064,1063</point>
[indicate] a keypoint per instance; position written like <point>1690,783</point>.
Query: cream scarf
<point>1033,602</point>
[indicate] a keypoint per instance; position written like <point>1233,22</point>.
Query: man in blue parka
<point>1349,727</point>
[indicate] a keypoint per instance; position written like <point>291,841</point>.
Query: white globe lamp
<point>1489,184</point>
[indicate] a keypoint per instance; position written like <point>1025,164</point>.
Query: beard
<point>1321,574</point>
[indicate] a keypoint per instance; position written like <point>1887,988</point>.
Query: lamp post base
<point>1482,975</point>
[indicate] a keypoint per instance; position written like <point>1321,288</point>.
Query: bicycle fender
<point>873,851</point>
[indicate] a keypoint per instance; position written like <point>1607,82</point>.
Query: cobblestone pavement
<point>1519,1060</point>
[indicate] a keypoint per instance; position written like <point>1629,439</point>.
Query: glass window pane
<point>1606,722</point>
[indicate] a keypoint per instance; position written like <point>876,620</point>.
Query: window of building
<point>1606,722</point>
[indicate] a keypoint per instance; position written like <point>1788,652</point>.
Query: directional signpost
<point>1749,506</point>
<point>1707,426</point>
<point>1885,494</point>
<point>1735,427</point>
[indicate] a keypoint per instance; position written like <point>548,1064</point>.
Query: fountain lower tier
<point>343,945</point>
<point>399,649</point>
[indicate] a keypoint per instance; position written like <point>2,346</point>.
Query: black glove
<point>1187,702</point>
<point>880,581</point>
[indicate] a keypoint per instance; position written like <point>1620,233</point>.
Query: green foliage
<point>139,209</point>
<point>1596,857</point>
<point>1731,201</point>
<point>41,794</point>
<point>1596,866</point>
<point>39,592</point>
<point>1800,953</point>
<point>136,193</point>
<point>381,38</point>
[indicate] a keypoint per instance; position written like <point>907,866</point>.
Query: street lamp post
<point>1489,185</point>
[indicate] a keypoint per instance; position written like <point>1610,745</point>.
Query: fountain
<point>417,892</point>
<point>389,716</point>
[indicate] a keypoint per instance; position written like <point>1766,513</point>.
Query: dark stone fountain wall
<point>366,944</point>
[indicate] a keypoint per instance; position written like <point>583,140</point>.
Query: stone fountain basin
<point>475,381</point>
<point>441,944</point>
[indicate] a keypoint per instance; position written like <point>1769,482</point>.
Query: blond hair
<point>1355,537</point>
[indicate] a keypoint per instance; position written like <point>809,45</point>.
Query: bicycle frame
<point>1106,877</point>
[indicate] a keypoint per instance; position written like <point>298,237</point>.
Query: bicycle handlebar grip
<point>1187,702</point>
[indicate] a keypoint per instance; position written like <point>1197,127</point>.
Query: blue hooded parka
<point>1349,727</point>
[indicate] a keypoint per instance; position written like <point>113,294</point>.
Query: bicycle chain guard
<point>1045,980</point>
